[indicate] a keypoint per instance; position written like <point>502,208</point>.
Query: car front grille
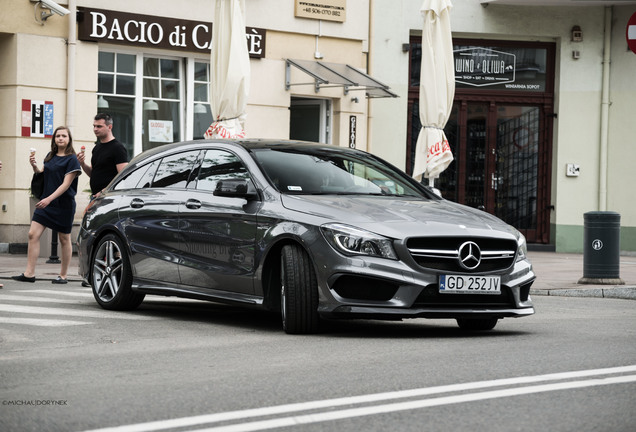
<point>443,253</point>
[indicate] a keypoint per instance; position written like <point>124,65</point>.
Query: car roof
<point>247,144</point>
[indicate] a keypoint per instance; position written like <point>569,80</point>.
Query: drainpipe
<point>70,64</point>
<point>369,58</point>
<point>605,103</point>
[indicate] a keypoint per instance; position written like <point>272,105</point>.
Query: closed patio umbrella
<point>437,90</point>
<point>229,71</point>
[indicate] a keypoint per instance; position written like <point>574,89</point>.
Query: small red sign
<point>630,33</point>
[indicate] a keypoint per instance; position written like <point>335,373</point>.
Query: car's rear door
<point>149,217</point>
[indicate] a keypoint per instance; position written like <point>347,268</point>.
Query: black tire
<point>111,276</point>
<point>477,324</point>
<point>299,292</point>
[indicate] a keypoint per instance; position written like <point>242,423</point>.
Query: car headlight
<point>354,241</point>
<point>522,248</point>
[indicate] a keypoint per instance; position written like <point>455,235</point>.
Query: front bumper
<point>384,289</point>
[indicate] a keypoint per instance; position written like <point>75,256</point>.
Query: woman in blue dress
<point>56,208</point>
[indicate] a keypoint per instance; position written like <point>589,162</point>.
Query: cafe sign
<point>100,25</point>
<point>481,67</point>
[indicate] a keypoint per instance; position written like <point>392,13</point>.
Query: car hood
<point>400,217</point>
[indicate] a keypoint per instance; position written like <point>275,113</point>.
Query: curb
<point>625,293</point>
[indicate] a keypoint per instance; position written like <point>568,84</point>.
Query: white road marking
<point>71,312</point>
<point>41,322</point>
<point>58,297</point>
<point>417,404</point>
<point>83,293</point>
<point>39,299</point>
<point>328,404</point>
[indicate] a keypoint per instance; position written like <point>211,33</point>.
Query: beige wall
<point>34,66</point>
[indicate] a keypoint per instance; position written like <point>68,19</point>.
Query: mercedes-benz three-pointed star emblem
<point>469,255</point>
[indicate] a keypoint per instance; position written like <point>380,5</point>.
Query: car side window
<point>219,165</point>
<point>174,171</point>
<point>139,178</point>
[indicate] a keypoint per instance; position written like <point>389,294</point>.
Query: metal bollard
<point>53,258</point>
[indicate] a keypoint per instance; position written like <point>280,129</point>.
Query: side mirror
<point>434,190</point>
<point>236,188</point>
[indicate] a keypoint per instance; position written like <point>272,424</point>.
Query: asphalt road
<point>68,365</point>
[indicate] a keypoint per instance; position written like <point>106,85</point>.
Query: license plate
<point>459,284</point>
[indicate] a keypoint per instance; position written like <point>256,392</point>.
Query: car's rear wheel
<point>477,324</point>
<point>299,292</point>
<point>112,276</point>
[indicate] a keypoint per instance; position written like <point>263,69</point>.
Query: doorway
<point>309,120</point>
<point>501,164</point>
<point>499,130</point>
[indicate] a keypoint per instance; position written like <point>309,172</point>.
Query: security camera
<point>50,4</point>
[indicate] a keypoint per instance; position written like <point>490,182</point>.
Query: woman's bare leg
<point>67,251</point>
<point>35,232</point>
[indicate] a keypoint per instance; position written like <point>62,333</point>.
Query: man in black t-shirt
<point>109,155</point>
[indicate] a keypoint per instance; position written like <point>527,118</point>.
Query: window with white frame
<point>153,99</point>
<point>116,89</point>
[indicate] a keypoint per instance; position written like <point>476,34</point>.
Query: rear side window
<point>140,178</point>
<point>174,171</point>
<point>218,165</point>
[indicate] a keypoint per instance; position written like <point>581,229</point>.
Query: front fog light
<point>351,241</point>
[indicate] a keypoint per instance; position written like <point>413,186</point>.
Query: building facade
<point>541,147</point>
<point>553,139</point>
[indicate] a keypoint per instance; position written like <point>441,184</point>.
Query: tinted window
<point>219,165</point>
<point>174,171</point>
<point>319,171</point>
<point>140,178</point>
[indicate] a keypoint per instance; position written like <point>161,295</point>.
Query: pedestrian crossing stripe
<point>41,322</point>
<point>37,310</point>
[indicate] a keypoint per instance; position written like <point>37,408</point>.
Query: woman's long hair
<point>69,148</point>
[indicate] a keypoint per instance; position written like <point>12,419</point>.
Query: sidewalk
<point>557,274</point>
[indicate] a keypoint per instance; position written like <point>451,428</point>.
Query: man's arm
<point>121,166</point>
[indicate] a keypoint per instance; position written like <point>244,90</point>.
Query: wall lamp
<point>47,8</point>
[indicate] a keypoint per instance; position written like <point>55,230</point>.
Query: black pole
<point>53,259</point>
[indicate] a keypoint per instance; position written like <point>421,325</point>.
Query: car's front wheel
<point>477,324</point>
<point>299,291</point>
<point>112,276</point>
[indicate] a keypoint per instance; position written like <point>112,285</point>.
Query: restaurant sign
<point>520,69</point>
<point>483,67</point>
<point>100,25</point>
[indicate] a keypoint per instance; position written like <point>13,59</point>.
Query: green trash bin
<point>601,249</point>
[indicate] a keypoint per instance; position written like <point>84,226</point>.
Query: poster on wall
<point>37,118</point>
<point>160,131</point>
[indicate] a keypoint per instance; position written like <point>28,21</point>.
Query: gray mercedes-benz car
<point>311,231</point>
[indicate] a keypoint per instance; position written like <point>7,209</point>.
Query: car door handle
<point>193,204</point>
<point>137,203</point>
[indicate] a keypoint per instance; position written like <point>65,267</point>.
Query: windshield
<point>322,171</point>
